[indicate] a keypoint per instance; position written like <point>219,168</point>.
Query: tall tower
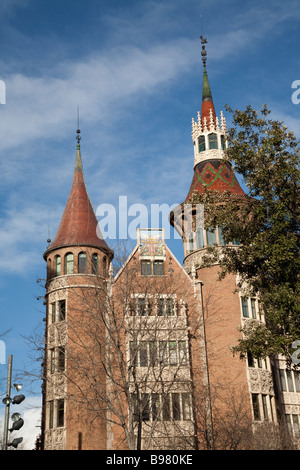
<point>232,381</point>
<point>77,266</point>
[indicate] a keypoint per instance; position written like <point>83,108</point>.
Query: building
<point>142,359</point>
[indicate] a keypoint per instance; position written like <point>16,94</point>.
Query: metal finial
<point>203,52</point>
<point>78,138</point>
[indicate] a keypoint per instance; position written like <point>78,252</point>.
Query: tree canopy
<point>266,224</point>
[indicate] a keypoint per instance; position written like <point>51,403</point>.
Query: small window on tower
<point>82,263</point>
<point>213,141</point>
<point>69,263</point>
<point>223,144</point>
<point>201,143</point>
<point>57,265</point>
<point>94,263</point>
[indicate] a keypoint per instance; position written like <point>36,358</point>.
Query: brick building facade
<point>142,359</point>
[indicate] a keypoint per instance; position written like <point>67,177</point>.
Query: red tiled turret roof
<point>78,225</point>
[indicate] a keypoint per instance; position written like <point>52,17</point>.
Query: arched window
<point>57,265</point>
<point>213,141</point>
<point>82,263</point>
<point>49,266</point>
<point>69,263</point>
<point>94,263</point>
<point>201,143</point>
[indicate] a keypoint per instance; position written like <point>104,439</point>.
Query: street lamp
<point>16,417</point>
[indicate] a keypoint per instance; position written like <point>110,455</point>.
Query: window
<point>142,408</point>
<point>223,142</point>
<point>292,422</point>
<point>158,268</point>
<point>104,266</point>
<point>213,141</point>
<point>282,380</point>
<point>290,380</point>
<point>61,359</point>
<point>53,312</point>
<point>186,406</point>
<point>69,263</point>
<point>201,143</point>
<point>253,307</point>
<point>52,361</point>
<point>250,359</point>
<point>255,405</point>
<point>155,406</point>
<point>94,263</point>
<point>176,406</point>
<point>211,236</point>
<point>51,410</point>
<point>82,263</point>
<point>57,265</point>
<point>182,352</point>
<point>141,307</point>
<point>199,239</point>
<point>152,269</point>
<point>166,408</point>
<point>153,353</point>
<point>245,307</point>
<point>60,412</point>
<point>61,310</point>
<point>221,237</point>
<point>265,407</point>
<point>143,354</point>
<point>166,307</point>
<point>172,353</point>
<point>146,268</point>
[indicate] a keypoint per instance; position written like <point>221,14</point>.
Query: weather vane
<point>203,52</point>
<point>78,130</point>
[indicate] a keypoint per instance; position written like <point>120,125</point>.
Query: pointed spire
<point>207,101</point>
<point>78,225</point>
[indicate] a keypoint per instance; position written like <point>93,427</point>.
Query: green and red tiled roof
<point>216,175</point>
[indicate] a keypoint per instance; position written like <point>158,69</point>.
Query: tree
<point>266,224</point>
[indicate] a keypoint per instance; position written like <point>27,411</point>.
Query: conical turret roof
<point>78,225</point>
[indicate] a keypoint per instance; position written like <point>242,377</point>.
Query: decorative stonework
<point>261,381</point>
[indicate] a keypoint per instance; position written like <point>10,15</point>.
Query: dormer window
<point>213,141</point>
<point>201,143</point>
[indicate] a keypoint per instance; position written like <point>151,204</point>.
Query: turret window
<point>213,141</point>
<point>82,263</point>
<point>223,143</point>
<point>201,143</point>
<point>94,263</point>
<point>57,265</point>
<point>69,263</point>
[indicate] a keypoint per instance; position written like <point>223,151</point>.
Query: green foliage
<point>266,223</point>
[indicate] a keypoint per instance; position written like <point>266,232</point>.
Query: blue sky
<point>134,69</point>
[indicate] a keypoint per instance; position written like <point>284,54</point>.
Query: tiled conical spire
<point>79,225</point>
